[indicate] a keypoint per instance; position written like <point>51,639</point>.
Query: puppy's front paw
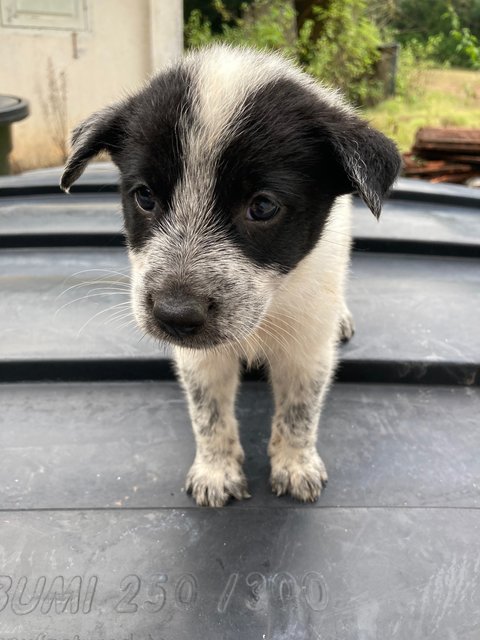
<point>212,485</point>
<point>300,473</point>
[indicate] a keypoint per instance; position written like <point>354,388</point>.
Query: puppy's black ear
<point>368,161</point>
<point>100,132</point>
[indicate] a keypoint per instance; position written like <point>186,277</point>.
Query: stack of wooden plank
<point>444,155</point>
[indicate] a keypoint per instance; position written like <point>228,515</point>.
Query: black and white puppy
<point>234,169</point>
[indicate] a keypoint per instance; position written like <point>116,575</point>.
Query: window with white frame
<point>70,15</point>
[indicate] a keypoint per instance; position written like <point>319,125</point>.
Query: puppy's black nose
<point>180,315</point>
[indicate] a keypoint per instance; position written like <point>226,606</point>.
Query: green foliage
<point>345,54</point>
<point>198,30</point>
<point>459,47</point>
<point>210,13</point>
<point>439,32</point>
<point>266,24</point>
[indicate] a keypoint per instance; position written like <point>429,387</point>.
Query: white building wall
<point>102,48</point>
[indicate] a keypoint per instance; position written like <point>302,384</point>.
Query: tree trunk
<point>305,11</point>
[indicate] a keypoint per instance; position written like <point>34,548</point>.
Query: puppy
<point>235,174</point>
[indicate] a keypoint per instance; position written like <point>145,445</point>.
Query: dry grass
<point>434,97</point>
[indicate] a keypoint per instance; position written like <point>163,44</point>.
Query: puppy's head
<point>230,163</point>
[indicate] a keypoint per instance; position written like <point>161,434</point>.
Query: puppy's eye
<point>262,208</point>
<point>144,199</point>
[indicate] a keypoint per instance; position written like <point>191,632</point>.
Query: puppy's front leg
<point>299,388</point>
<point>211,380</point>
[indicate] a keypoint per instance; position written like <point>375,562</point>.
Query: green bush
<point>265,24</point>
<point>198,30</point>
<point>345,55</point>
<point>436,33</point>
<point>458,46</point>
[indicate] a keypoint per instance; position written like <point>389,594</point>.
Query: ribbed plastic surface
<point>98,539</point>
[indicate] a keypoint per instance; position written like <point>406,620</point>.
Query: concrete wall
<point>66,73</point>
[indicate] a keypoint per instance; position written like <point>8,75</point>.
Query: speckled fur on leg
<point>210,380</point>
<point>297,468</point>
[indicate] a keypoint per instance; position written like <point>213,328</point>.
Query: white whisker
<point>96,316</point>
<point>90,295</point>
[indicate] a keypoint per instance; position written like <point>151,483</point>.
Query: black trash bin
<point>12,109</point>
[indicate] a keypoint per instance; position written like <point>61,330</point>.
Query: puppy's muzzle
<point>180,315</point>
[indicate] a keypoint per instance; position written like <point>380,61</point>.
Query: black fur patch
<point>143,137</point>
<point>305,153</point>
<point>151,153</point>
